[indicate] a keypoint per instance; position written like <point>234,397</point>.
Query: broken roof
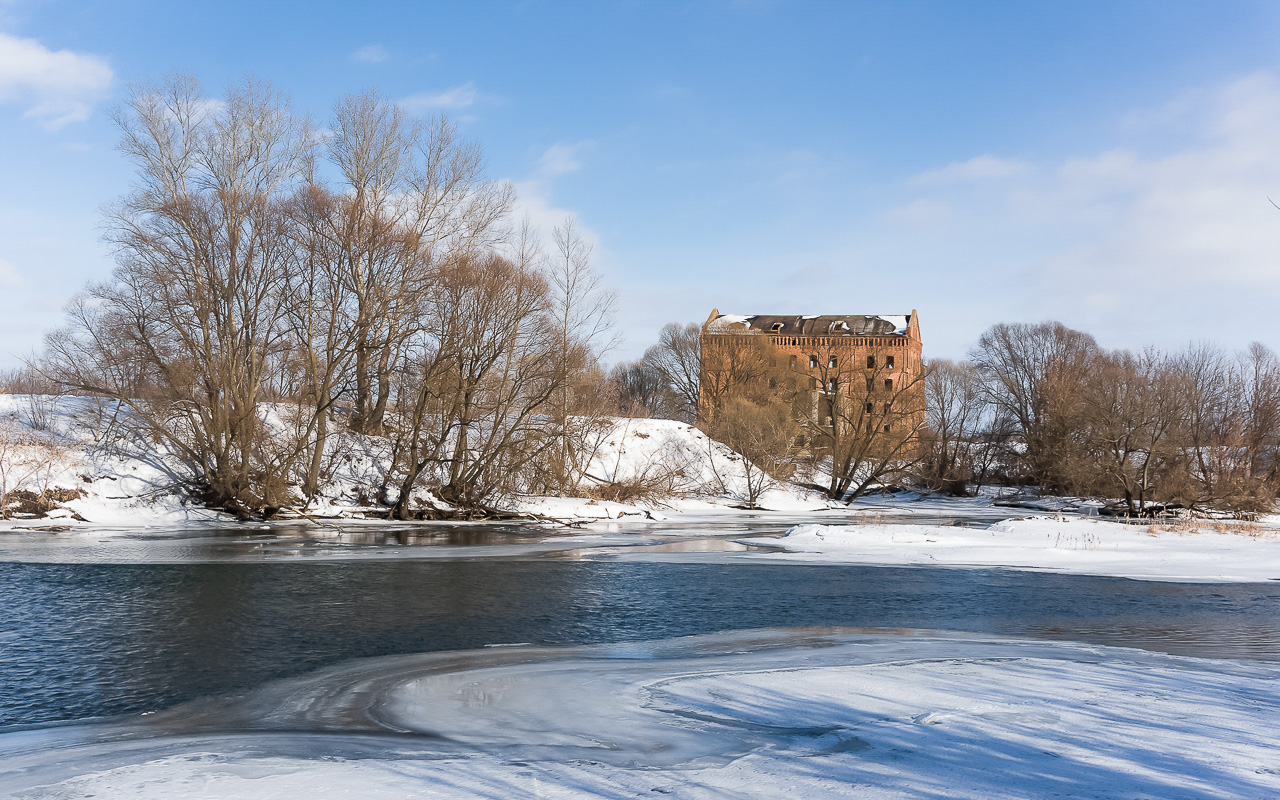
<point>822,325</point>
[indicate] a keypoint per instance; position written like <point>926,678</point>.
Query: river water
<point>94,627</point>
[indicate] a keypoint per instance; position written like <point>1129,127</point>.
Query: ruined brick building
<point>848,374</point>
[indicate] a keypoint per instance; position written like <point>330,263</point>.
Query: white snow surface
<point>868,716</point>
<point>131,484</point>
<point>701,473</point>
<point>1050,544</point>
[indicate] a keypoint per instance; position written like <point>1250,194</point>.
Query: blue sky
<point>1107,164</point>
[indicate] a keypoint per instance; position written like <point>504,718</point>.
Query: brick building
<point>849,374</point>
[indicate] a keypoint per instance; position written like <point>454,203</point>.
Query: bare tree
<point>641,390</point>
<point>952,441</point>
<point>764,436</point>
<point>866,419</point>
<point>1032,375</point>
<point>678,358</point>
<point>486,374</point>
<point>186,332</point>
<point>1133,413</point>
<point>581,310</point>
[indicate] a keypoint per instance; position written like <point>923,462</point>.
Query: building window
<point>813,362</point>
<point>886,408</point>
<point>831,363</point>
<point>869,408</point>
<point>791,362</point>
<point>888,384</point>
<point>888,362</point>
<point>871,385</point>
<point>832,384</point>
<point>871,362</point>
<point>888,428</point>
<point>777,326</point>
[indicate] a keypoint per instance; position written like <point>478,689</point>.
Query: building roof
<point>815,325</point>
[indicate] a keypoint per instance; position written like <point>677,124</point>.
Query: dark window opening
<point>831,362</point>
<point>888,384</point>
<point>813,362</point>
<point>888,362</point>
<point>832,384</point>
<point>871,362</point>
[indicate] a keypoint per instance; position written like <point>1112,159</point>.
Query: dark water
<point>85,640</point>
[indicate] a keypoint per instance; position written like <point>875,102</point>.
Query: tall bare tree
<point>187,330</point>
<point>953,440</point>
<point>1032,375</point>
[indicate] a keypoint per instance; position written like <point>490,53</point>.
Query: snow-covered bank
<point>78,450</point>
<point>1055,544</point>
<point>752,715</point>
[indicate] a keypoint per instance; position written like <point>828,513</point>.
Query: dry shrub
<point>640,489</point>
<point>22,502</point>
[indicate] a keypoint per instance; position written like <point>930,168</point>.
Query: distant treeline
<point>1044,405</point>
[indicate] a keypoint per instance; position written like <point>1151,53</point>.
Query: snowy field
<point>765,714</point>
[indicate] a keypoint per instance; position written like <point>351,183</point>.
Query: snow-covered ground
<point>74,444</point>
<point>765,714</point>
<point>1156,551</point>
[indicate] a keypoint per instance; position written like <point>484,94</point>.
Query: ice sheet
<point>761,714</point>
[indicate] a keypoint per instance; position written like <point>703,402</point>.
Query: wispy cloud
<point>57,87</point>
<point>1175,227</point>
<point>371,54</point>
<point>559,159</point>
<point>9,275</point>
<point>975,169</point>
<point>462,96</point>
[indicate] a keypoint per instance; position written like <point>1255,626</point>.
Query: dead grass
<point>1185,526</point>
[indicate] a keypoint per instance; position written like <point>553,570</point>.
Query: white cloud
<point>924,210</point>
<point>559,159</point>
<point>458,97</point>
<point>977,168</point>
<point>371,54</point>
<point>56,87</point>
<point>1166,239</point>
<point>534,203</point>
<point>9,275</point>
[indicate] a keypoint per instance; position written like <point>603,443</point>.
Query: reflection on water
<point>79,640</point>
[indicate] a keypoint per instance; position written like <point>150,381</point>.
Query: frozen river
<point>212,633</point>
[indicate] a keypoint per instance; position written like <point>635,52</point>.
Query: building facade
<point>847,374</point>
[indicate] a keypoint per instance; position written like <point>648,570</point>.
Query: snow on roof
<point>815,325</point>
<point>725,321</point>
